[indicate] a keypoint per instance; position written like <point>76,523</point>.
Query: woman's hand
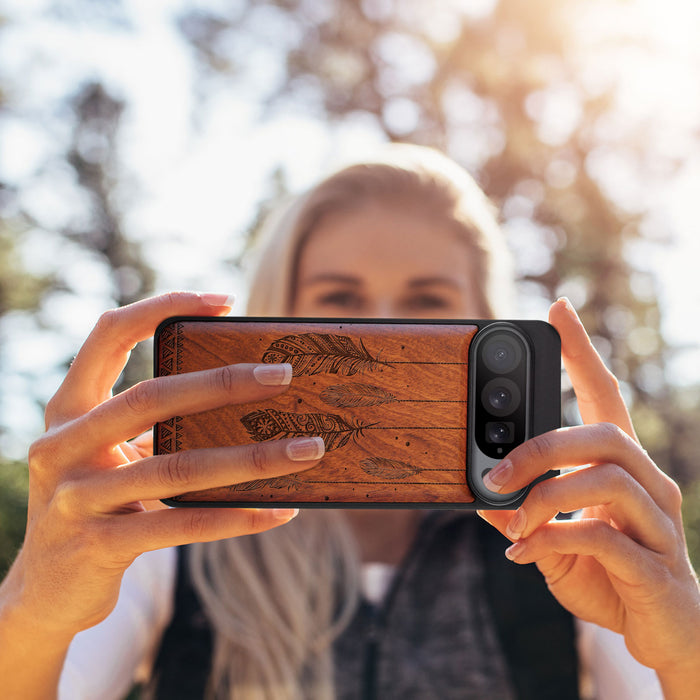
<point>88,517</point>
<point>624,564</point>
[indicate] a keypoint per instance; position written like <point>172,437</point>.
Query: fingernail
<point>273,375</point>
<point>499,476</point>
<point>218,299</point>
<point>285,514</point>
<point>517,525</point>
<point>305,449</point>
<point>515,550</point>
<point>569,306</point>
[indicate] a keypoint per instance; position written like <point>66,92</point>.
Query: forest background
<point>140,143</point>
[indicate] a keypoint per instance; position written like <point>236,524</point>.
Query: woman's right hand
<point>87,517</point>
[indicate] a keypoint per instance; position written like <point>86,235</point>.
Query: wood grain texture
<point>389,400</point>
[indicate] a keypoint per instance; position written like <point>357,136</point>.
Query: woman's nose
<point>382,308</point>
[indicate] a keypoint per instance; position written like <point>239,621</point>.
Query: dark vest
<point>460,621</point>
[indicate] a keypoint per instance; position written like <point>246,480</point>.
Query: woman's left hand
<point>623,564</point>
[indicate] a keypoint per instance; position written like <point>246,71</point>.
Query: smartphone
<point>413,414</point>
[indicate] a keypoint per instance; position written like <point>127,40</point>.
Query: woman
<point>412,236</point>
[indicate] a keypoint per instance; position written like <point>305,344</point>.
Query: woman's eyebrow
<point>433,281</point>
<point>336,278</point>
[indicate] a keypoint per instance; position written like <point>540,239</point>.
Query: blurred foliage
<point>93,155</point>
<point>691,520</point>
<point>19,290</point>
<point>14,482</point>
<point>504,91</point>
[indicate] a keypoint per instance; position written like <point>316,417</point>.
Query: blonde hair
<point>277,600</point>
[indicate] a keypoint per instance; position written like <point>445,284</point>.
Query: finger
<point>618,554</point>
<point>596,388</point>
<point>105,352</point>
<point>131,452</point>
<point>138,448</point>
<point>583,444</point>
<point>142,532</point>
<point>606,486</point>
<point>138,408</point>
<point>497,518</point>
<point>143,444</point>
<point>165,476</point>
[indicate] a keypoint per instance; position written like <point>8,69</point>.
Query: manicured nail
<point>499,476</point>
<point>515,550</point>
<point>218,299</point>
<point>517,525</point>
<point>273,375</point>
<point>569,306</point>
<point>285,514</point>
<point>306,449</point>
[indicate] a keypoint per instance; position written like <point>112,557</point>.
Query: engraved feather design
<point>316,353</point>
<point>389,469</point>
<point>353,395</point>
<point>280,482</point>
<point>266,424</point>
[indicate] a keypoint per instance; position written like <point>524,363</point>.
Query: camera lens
<point>499,432</point>
<point>502,353</point>
<point>500,396</point>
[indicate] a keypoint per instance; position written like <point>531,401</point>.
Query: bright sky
<point>194,189</point>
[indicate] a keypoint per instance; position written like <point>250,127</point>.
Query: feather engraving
<point>316,353</point>
<point>281,482</point>
<point>389,469</point>
<point>353,395</point>
<point>266,424</point>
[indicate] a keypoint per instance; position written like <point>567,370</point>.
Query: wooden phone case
<point>388,398</point>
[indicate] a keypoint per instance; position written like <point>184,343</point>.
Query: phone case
<point>389,398</point>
